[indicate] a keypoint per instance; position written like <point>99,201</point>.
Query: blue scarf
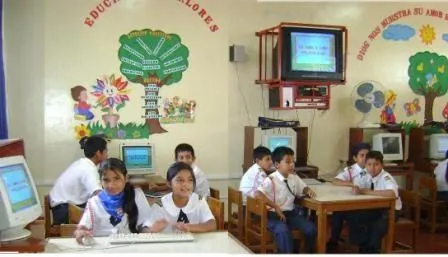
<point>113,205</point>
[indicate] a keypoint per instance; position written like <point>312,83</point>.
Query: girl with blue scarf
<point>118,208</point>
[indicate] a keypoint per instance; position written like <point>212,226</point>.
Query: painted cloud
<point>398,32</point>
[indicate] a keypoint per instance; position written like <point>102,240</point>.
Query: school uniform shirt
<point>274,187</point>
<point>197,211</point>
<point>354,173</point>
<point>384,181</point>
<point>97,219</point>
<point>76,184</point>
<point>251,180</point>
<point>440,172</point>
<point>202,187</point>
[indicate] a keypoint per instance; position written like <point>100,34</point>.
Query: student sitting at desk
<point>185,153</point>
<point>441,173</point>
<point>255,175</point>
<point>353,175</point>
<point>118,208</point>
<point>79,181</point>
<point>183,210</point>
<point>279,191</point>
<point>380,183</point>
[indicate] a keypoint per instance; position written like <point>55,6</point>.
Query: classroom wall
<point>49,49</point>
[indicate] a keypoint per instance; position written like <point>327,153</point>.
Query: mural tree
<point>152,59</point>
<point>428,77</point>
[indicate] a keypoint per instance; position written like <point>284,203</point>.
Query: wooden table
<point>332,198</point>
<point>28,245</point>
<point>213,242</point>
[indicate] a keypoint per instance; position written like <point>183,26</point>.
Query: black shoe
<point>332,247</point>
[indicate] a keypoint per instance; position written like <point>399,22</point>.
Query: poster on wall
<point>146,58</point>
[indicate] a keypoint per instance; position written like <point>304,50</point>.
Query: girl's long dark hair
<point>129,205</point>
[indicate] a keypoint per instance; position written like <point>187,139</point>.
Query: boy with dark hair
<point>381,183</point>
<point>255,175</point>
<point>279,191</point>
<point>353,175</point>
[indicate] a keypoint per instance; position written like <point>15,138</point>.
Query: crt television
<point>311,54</point>
<point>389,144</point>
<point>138,157</point>
<point>437,145</point>
<point>19,204</point>
<point>274,141</point>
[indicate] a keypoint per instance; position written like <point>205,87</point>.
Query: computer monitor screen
<point>274,141</point>
<point>18,187</point>
<point>138,157</point>
<point>390,145</point>
<point>438,145</point>
<point>19,204</point>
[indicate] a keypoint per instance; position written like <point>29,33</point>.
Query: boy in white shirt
<point>353,175</point>
<point>279,191</point>
<point>185,153</point>
<point>379,183</point>
<point>255,175</point>
<point>441,173</point>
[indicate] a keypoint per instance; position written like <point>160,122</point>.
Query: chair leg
<point>414,240</point>
<point>433,220</point>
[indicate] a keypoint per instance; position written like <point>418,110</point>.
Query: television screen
<point>276,141</point>
<point>137,157</point>
<point>391,145</point>
<point>443,144</point>
<point>18,186</point>
<point>313,52</point>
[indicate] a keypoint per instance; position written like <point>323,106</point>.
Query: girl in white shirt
<point>79,181</point>
<point>118,208</point>
<point>184,210</point>
<point>441,173</point>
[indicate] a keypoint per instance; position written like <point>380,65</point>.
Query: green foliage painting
<point>152,59</point>
<point>428,77</point>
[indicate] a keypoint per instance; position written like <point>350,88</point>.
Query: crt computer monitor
<point>438,145</point>
<point>138,157</point>
<point>390,145</point>
<point>274,141</point>
<point>19,203</point>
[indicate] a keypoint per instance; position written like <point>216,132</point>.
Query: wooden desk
<point>11,147</point>
<point>28,245</point>
<point>332,198</point>
<point>214,242</point>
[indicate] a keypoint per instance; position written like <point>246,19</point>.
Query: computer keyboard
<point>150,238</point>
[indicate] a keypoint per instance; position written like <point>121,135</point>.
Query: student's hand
<point>158,226</point>
<point>356,190</point>
<point>280,214</point>
<point>183,227</point>
<point>309,192</point>
<point>80,234</point>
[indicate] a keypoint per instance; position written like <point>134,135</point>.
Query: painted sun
<point>427,34</point>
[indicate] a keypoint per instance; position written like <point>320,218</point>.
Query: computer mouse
<point>88,241</point>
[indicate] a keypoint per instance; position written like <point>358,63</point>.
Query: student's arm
<point>85,225</point>
<point>343,178</point>
<point>385,193</point>
<point>303,188</point>
<point>261,194</point>
<point>91,183</point>
<point>202,187</point>
<point>339,182</point>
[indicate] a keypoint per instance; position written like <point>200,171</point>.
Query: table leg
<point>321,230</point>
<point>391,228</point>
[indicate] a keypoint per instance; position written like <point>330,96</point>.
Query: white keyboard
<point>150,238</point>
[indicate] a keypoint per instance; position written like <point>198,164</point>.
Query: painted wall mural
<point>150,59</point>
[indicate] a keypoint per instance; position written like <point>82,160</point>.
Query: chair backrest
<point>214,193</point>
<point>256,222</point>
<point>427,187</point>
<point>67,230</point>
<point>74,214</point>
<point>217,208</point>
<point>236,219</point>
<point>411,205</point>
<point>47,215</point>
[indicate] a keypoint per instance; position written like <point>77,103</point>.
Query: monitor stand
<point>15,233</point>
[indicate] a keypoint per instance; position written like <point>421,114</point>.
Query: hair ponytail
<point>130,207</point>
<point>82,142</point>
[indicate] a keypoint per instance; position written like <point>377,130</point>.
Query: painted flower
<point>82,131</point>
<point>111,92</point>
<point>121,134</point>
<point>136,134</point>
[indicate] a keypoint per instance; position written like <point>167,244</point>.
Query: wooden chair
<point>50,229</point>
<point>74,214</point>
<point>235,219</point>
<point>67,230</point>
<point>214,193</point>
<point>256,226</point>
<point>427,188</point>
<point>217,208</point>
<point>409,221</point>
